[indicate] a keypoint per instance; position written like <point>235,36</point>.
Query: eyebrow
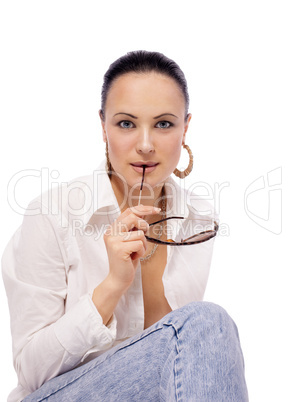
<point>127,114</point>
<point>165,114</point>
<point>156,117</point>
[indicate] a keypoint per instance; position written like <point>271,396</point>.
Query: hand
<point>125,243</point>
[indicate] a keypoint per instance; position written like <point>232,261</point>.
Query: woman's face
<point>144,125</point>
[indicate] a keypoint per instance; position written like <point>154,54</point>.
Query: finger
<point>123,247</point>
<point>132,249</point>
<point>128,223</point>
<point>140,250</point>
<point>135,235</point>
<point>129,220</point>
<point>140,210</point>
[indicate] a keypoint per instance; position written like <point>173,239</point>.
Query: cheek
<point>173,148</point>
<point>119,146</point>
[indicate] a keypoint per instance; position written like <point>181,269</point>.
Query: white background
<point>234,54</point>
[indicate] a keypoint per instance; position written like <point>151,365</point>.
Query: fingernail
<point>157,209</point>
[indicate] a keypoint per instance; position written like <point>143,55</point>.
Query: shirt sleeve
<point>47,339</point>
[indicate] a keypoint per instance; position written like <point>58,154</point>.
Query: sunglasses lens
<point>178,231</point>
<point>201,237</point>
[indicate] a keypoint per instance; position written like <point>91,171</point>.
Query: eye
<point>164,124</point>
<point>126,124</point>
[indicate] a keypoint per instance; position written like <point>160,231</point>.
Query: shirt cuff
<point>81,328</point>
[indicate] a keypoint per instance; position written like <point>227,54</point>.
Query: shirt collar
<point>103,197</point>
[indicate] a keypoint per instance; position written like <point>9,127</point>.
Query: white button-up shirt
<point>56,259</point>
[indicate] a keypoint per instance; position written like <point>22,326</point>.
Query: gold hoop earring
<point>188,170</point>
<point>108,163</point>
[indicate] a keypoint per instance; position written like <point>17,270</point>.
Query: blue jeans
<point>191,354</point>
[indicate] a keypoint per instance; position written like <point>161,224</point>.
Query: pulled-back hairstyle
<point>142,61</point>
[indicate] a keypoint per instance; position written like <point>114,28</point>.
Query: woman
<point>85,286</point>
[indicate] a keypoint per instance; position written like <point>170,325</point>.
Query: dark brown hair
<point>142,61</point>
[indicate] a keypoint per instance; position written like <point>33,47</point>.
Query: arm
<point>125,243</point>
<point>47,340</point>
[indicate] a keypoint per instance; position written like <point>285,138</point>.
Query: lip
<point>150,166</point>
<point>147,164</point>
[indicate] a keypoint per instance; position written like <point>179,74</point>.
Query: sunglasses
<point>186,235</point>
<point>155,234</point>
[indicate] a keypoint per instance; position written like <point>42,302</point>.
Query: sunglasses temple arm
<point>167,219</point>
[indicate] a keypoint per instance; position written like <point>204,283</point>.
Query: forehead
<point>145,90</point>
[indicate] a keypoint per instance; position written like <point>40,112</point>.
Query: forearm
<point>124,249</point>
<point>106,297</point>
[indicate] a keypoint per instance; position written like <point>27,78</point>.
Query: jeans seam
<point>177,367</point>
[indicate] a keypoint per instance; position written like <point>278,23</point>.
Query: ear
<point>103,126</point>
<point>187,122</point>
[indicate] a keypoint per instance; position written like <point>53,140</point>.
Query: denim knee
<point>202,316</point>
<point>208,363</point>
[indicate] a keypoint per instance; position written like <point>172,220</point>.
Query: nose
<point>145,144</point>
